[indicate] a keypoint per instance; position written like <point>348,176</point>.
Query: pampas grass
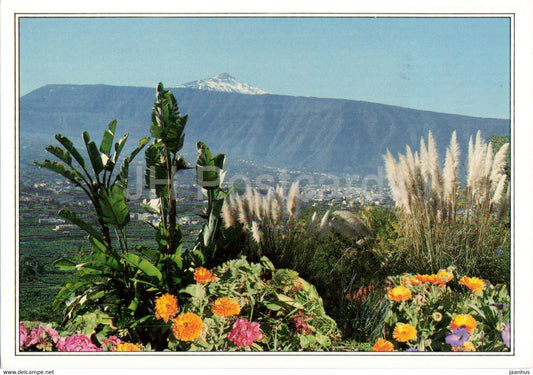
<point>272,224</point>
<point>443,220</point>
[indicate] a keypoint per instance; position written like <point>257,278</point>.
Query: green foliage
<point>107,197</point>
<point>115,212</point>
<point>210,175</point>
<point>163,161</point>
<point>89,324</point>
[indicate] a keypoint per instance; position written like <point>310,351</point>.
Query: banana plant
<point>95,177</point>
<point>106,277</point>
<point>163,162</point>
<point>210,175</point>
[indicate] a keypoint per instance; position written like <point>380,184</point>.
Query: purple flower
<point>244,333</point>
<point>77,343</point>
<point>506,335</point>
<point>413,350</point>
<point>457,337</point>
<point>499,252</point>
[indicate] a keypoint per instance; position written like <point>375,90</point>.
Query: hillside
<point>305,133</point>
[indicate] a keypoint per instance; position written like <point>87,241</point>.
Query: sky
<point>451,65</point>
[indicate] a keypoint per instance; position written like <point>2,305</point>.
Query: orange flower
<point>443,277</point>
<point>203,276</point>
<point>404,332</point>
<point>225,307</point>
<point>166,307</point>
<point>466,347</point>
<point>433,279</point>
<point>382,345</point>
<point>474,284</point>
<point>127,347</point>
<point>463,321</point>
<point>187,326</point>
<point>423,278</point>
<point>400,293</point>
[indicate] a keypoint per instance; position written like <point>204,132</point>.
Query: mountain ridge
<point>294,132</point>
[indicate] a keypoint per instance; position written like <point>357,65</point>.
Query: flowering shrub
<point>436,313</point>
<point>36,336</point>
<point>249,306</point>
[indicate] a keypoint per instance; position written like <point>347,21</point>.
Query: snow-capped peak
<point>223,82</point>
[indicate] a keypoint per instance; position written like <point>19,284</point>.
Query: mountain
<point>223,83</point>
<point>303,133</point>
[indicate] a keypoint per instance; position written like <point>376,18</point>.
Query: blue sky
<point>452,65</point>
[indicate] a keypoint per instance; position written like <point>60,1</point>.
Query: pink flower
<point>44,336</point>
<point>46,331</point>
<point>244,333</point>
<point>32,338</point>
<point>111,342</point>
<point>24,333</point>
<point>77,343</point>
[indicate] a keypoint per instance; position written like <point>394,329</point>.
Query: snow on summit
<point>223,82</point>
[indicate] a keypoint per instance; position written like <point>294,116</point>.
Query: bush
<point>287,309</point>
<point>439,312</point>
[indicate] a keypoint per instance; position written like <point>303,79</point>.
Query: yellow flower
<point>474,284</point>
<point>166,307</point>
<point>433,279</point>
<point>400,293</point>
<point>466,347</point>
<point>404,332</point>
<point>443,277</point>
<point>225,307</point>
<point>463,321</point>
<point>127,347</point>
<point>187,326</point>
<point>382,345</point>
<point>203,276</point>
